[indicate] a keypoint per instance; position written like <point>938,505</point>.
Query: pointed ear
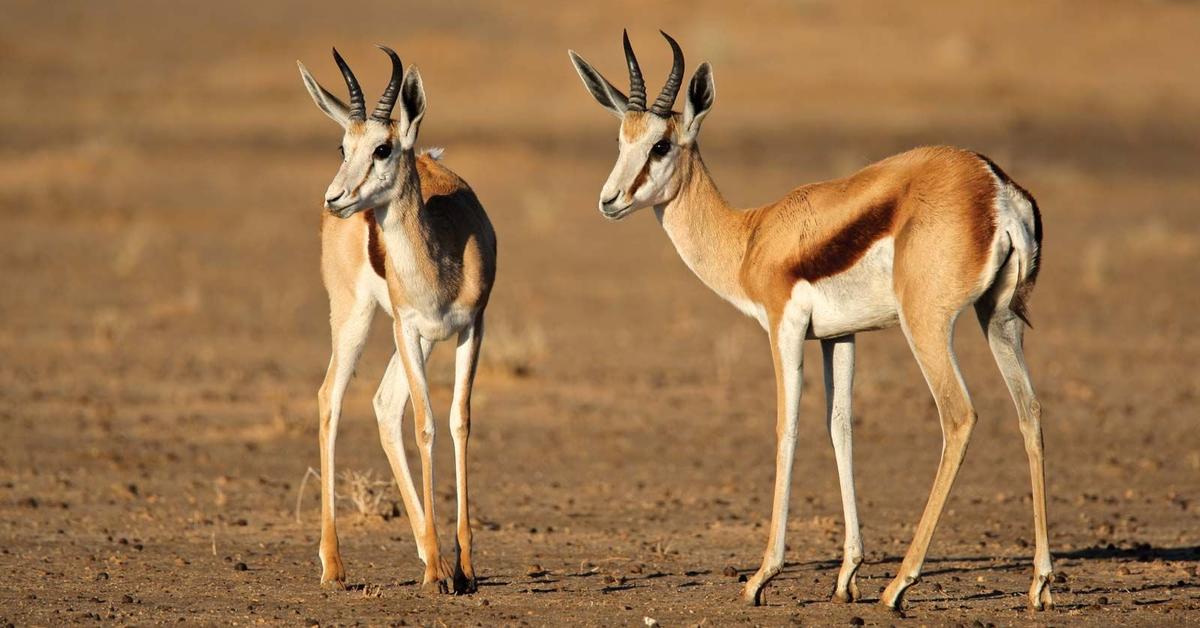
<point>700,94</point>
<point>412,106</point>
<point>330,104</point>
<point>608,96</point>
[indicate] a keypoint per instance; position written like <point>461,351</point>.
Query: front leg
<point>839,380</point>
<point>465,359</point>
<point>408,342</point>
<point>787,340</point>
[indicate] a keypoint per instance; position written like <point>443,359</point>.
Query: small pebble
<point>730,571</point>
<point>857,621</point>
<point>240,567</point>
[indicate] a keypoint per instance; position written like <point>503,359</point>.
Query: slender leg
<point>349,325</point>
<point>465,359</point>
<point>408,341</point>
<point>839,381</point>
<point>389,412</point>
<point>930,340</point>
<point>1005,333</point>
<point>787,351</point>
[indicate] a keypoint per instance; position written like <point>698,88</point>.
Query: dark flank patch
<point>374,245</point>
<point>848,245</point>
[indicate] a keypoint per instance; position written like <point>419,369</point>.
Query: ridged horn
<point>637,85</point>
<point>358,107</point>
<point>387,102</point>
<point>666,100</point>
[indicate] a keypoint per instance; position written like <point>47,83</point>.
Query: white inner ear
<point>409,126</point>
<point>691,117</point>
<point>325,101</point>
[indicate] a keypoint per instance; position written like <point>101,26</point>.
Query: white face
<point>647,162</point>
<point>652,147</point>
<point>370,170</point>
<point>376,151</point>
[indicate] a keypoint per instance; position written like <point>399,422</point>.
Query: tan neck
<point>411,245</point>
<point>709,235</point>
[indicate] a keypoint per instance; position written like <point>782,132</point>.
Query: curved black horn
<point>383,111</point>
<point>666,100</point>
<point>637,85</point>
<point>358,108</point>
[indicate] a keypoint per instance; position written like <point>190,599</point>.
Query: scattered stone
<point>128,599</point>
<point>535,571</point>
<point>730,571</point>
<point>28,502</point>
<point>857,621</point>
<point>240,567</point>
<point>1102,600</point>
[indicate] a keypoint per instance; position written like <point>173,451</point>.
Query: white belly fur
<point>859,299</point>
<point>438,325</point>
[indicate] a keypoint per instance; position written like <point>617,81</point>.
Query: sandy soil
<point>163,329</point>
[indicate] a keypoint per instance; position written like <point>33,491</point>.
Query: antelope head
<point>377,151</point>
<point>654,144</point>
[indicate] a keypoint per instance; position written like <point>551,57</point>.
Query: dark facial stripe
<point>644,173</point>
<point>370,168</point>
<point>375,250</point>
<point>640,178</point>
<point>847,246</point>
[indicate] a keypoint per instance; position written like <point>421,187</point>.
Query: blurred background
<point>163,329</point>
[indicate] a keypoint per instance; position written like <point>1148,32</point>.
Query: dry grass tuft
<point>365,491</point>
<point>512,351</point>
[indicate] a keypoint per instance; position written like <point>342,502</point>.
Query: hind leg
<point>929,335</point>
<point>349,320</point>
<point>1005,333</point>
<point>389,412</point>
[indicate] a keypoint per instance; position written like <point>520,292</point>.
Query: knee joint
<point>425,436</point>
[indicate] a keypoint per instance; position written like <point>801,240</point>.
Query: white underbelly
<point>433,323</point>
<point>861,298</point>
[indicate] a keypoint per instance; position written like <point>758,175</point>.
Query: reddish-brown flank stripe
<point>847,246</point>
<point>374,245</point>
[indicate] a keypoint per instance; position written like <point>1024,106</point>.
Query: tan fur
<point>462,251</point>
<point>911,240</point>
<point>454,250</point>
<point>939,206</point>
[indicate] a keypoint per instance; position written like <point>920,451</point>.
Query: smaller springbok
<point>404,233</point>
<point>911,240</point>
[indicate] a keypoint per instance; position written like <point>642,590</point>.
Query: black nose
<point>331,199</point>
<point>609,200</point>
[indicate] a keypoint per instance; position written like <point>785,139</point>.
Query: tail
<point>1031,265</point>
<point>1024,229</point>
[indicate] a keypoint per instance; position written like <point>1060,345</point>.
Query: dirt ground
<point>163,329</point>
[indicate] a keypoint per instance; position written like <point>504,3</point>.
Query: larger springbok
<point>404,233</point>
<point>913,239</point>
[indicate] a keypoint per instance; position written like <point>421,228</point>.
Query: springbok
<point>404,233</point>
<point>912,239</point>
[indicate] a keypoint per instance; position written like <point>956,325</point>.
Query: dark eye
<point>342,151</point>
<point>382,151</point>
<point>661,148</point>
